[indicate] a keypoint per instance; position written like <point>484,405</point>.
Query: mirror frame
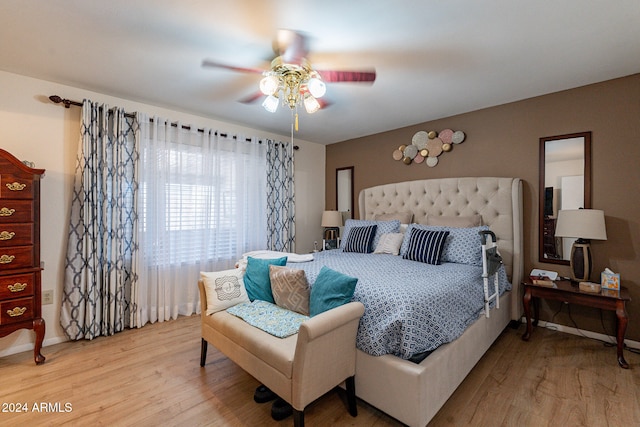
<point>541,187</point>
<point>350,170</point>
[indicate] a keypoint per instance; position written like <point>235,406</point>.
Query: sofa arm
<point>330,320</point>
<point>325,352</point>
<point>203,298</point>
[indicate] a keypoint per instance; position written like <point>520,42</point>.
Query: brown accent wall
<point>504,141</point>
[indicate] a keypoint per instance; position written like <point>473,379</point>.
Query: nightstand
<point>566,291</point>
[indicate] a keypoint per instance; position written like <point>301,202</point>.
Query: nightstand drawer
<point>16,257</point>
<point>16,310</point>
<point>16,211</point>
<point>16,235</point>
<point>16,286</point>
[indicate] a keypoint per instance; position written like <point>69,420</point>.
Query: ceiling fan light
<point>311,104</point>
<point>270,103</point>
<point>269,85</point>
<point>316,87</point>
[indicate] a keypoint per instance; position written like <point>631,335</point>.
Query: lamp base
<point>331,233</point>
<point>581,263</point>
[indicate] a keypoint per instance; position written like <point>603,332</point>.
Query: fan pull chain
<point>292,129</point>
<point>296,121</point>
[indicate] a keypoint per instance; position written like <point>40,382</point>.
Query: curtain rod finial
<point>56,99</point>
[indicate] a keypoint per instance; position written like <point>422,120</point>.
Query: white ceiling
<point>433,58</point>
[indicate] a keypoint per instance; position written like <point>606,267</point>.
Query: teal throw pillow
<point>331,289</point>
<point>256,278</point>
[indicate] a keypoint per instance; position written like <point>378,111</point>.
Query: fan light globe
<point>269,85</point>
<point>316,87</point>
<point>311,104</point>
<point>270,103</point>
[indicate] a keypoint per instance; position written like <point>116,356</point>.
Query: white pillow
<point>224,289</point>
<point>389,244</point>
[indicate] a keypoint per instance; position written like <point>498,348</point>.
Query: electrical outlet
<point>47,297</point>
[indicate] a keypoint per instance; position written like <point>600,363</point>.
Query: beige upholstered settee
<point>299,368</point>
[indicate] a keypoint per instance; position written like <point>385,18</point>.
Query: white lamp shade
<point>270,104</point>
<point>316,87</point>
<point>269,85</point>
<point>331,219</point>
<point>311,104</point>
<point>581,224</point>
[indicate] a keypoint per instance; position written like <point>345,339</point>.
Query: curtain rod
<point>68,103</point>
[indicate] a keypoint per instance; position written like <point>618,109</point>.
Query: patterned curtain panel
<point>100,266</point>
<point>280,197</point>
<point>202,204</point>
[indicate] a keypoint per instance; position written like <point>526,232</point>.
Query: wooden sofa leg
<point>298,418</point>
<point>203,352</point>
<point>351,396</point>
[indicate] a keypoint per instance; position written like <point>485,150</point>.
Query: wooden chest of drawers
<point>20,271</point>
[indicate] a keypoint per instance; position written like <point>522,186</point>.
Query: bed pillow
<point>455,221</point>
<point>257,280</point>
<point>389,244</point>
<point>360,239</point>
<point>290,288</point>
<point>463,246</point>
<point>382,227</point>
<point>403,217</point>
<point>331,289</point>
<point>426,246</point>
<point>223,289</point>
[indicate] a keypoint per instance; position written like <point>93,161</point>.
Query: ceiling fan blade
<point>333,76</point>
<point>215,64</point>
<point>324,103</point>
<point>250,99</point>
<point>291,46</point>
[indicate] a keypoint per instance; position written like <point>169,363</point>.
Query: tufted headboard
<point>497,200</point>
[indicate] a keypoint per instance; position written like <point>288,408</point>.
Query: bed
<point>414,392</point>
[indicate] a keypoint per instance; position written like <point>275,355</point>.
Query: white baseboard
<point>590,334</point>
<point>29,346</point>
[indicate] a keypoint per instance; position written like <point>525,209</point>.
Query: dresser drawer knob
<point>7,235</point>
<point>6,259</point>
<point>17,287</point>
<point>16,186</point>
<point>16,311</point>
<point>6,211</point>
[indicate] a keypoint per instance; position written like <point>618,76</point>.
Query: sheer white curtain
<point>202,204</point>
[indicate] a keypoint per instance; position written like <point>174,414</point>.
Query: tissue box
<point>610,281</point>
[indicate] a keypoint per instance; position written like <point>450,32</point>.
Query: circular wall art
<point>426,146</point>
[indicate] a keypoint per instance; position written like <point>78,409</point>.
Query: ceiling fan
<point>291,80</point>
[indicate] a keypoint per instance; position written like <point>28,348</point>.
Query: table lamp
<point>583,224</point>
<point>331,221</point>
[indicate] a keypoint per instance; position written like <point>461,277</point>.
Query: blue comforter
<point>410,307</point>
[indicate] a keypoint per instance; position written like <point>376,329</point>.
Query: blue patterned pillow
<point>392,226</point>
<point>426,246</point>
<point>463,246</point>
<point>360,238</point>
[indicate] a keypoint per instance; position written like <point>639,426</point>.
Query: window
<point>202,203</point>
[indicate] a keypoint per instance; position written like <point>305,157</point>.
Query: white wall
<point>32,128</point>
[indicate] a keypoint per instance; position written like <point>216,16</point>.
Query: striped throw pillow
<point>360,239</point>
<point>426,246</point>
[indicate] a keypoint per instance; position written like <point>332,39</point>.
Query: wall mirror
<point>565,183</point>
<point>344,191</point>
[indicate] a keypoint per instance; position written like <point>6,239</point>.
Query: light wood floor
<point>152,376</point>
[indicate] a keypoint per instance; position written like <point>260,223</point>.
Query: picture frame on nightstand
<point>328,244</point>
